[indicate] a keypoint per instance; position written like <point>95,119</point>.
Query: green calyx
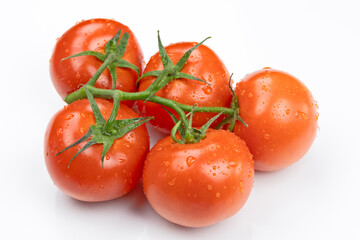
<point>105,132</point>
<point>188,134</point>
<point>171,71</point>
<point>111,58</point>
<point>231,119</point>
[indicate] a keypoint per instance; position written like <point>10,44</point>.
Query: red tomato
<point>86,179</point>
<point>282,118</point>
<point>204,64</point>
<point>199,184</point>
<point>68,75</point>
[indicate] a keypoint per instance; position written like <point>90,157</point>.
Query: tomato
<point>282,118</point>
<point>86,179</point>
<point>199,184</point>
<point>204,64</point>
<point>68,75</point>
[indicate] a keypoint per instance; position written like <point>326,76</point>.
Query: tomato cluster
<point>96,150</point>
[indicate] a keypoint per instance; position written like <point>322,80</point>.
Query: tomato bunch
<point>97,147</point>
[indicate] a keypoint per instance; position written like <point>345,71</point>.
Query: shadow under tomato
<point>238,226</point>
<point>131,217</point>
<point>83,220</point>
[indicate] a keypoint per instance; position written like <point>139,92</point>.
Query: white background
<point>317,41</point>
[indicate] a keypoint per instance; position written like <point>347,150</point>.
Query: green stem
<point>115,110</point>
<point>226,111</point>
<point>171,104</point>
<point>110,58</point>
<point>109,94</point>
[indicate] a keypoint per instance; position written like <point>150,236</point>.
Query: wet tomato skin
<point>204,64</point>
<point>282,117</point>
<point>68,75</point>
<point>86,179</point>
<point>199,184</point>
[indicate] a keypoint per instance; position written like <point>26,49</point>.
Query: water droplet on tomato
<point>98,177</point>
<point>166,163</point>
<point>121,160</point>
<point>250,174</point>
<point>267,136</point>
<point>82,130</point>
<point>217,194</point>
<point>317,116</point>
<point>172,182</point>
<point>69,116</point>
<point>233,164</point>
<point>82,115</point>
<point>59,131</point>
<point>207,90</point>
<point>107,157</point>
<point>189,180</point>
<point>77,75</point>
<point>301,114</point>
<point>190,160</point>
<point>316,104</point>
<point>250,95</point>
<point>242,92</point>
<point>209,187</point>
<point>212,147</point>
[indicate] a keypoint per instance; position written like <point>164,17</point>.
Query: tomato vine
<point>112,58</point>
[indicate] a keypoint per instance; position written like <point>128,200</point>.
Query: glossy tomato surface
<point>282,117</point>
<point>86,179</point>
<point>204,64</point>
<point>68,75</point>
<point>199,184</point>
